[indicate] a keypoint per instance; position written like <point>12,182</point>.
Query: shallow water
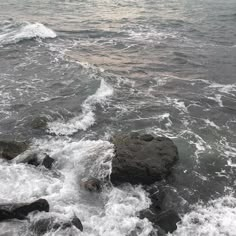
<point>97,67</point>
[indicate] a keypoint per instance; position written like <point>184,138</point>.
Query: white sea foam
<point>224,88</point>
<point>180,105</point>
<point>163,118</point>
<point>228,150</point>
<point>87,118</point>
<point>151,35</point>
<point>113,212</point>
<point>217,218</point>
<point>195,140</point>
<point>211,123</point>
<point>161,81</point>
<point>20,183</point>
<point>219,99</point>
<point>25,31</point>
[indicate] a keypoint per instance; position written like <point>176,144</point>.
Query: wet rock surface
<point>33,159</point>
<point>91,184</point>
<point>20,211</point>
<point>10,149</point>
<point>142,159</point>
<point>168,220</point>
<point>165,222</point>
<point>42,226</point>
<point>145,159</point>
<point>162,212</point>
<point>48,162</point>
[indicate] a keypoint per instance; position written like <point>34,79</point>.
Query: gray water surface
<point>97,67</point>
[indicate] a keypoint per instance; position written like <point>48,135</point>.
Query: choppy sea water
<point>98,67</point>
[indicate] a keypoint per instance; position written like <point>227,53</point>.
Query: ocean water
<point>94,68</point>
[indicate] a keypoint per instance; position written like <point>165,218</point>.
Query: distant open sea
<point>94,68</point>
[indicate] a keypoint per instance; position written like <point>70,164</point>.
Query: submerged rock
<point>167,220</point>
<point>42,226</point>
<point>142,159</point>
<point>91,184</point>
<point>157,194</point>
<point>20,211</point>
<point>11,149</point>
<point>33,159</point>
<point>39,122</point>
<point>161,212</point>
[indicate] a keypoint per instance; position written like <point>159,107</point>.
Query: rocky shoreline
<point>139,159</point>
<point>145,159</point>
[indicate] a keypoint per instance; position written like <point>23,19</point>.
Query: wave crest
<point>87,118</point>
<point>14,33</point>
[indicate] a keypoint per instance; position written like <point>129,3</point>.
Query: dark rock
<point>42,226</point>
<point>77,223</point>
<point>47,162</point>
<point>5,215</point>
<point>167,221</point>
<point>33,160</point>
<point>149,213</point>
<point>142,159</point>
<point>11,149</point>
<point>91,184</point>
<point>20,211</point>
<point>39,205</point>
<point>157,194</point>
<point>39,122</point>
<point>159,213</point>
<point>146,137</point>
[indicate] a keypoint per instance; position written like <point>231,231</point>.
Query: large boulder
<point>20,211</point>
<point>11,149</point>
<point>142,159</point>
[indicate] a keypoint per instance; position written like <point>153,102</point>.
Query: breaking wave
<point>87,118</point>
<point>14,33</point>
